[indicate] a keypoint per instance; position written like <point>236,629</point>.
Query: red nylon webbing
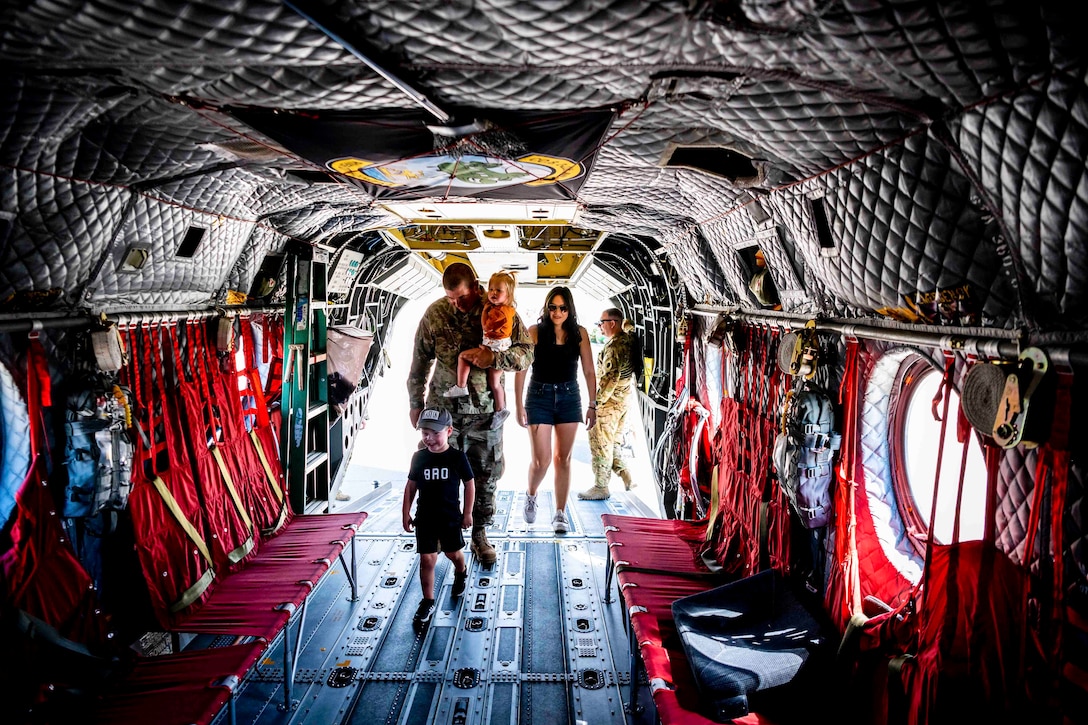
<point>273,333</point>
<point>1059,444</point>
<point>843,597</point>
<point>251,374</point>
<point>237,446</point>
<point>306,526</point>
<point>943,395</point>
<point>39,574</point>
<point>269,496</point>
<point>199,405</point>
<point>742,480</point>
<point>173,566</point>
<point>971,639</point>
<point>680,705</point>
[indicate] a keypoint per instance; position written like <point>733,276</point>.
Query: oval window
<point>914,436</point>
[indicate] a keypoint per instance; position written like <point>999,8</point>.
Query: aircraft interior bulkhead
<point>827,459</point>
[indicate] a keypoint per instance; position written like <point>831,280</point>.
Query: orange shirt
<point>498,321</point>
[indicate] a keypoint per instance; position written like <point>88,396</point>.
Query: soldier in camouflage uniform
<point>450,325</point>
<point>615,380</point>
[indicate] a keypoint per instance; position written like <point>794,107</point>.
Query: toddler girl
<point>498,323</point>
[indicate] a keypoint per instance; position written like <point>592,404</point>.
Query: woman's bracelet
<point>593,407</point>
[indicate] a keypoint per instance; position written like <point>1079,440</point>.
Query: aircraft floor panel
<point>531,640</point>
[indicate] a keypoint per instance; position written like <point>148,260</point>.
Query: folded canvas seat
<point>666,554</point>
<point>678,703</point>
<point>689,530</point>
<point>654,545</point>
<point>261,599</point>
<point>747,641</point>
<point>647,599</point>
<point>188,687</point>
<point>302,528</point>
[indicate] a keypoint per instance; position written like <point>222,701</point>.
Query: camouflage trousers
<point>483,448</point>
<point>602,443</point>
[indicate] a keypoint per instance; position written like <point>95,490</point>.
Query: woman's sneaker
<point>423,615</point>
<point>559,522</point>
<point>530,508</point>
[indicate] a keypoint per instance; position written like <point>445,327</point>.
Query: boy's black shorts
<point>430,535</point>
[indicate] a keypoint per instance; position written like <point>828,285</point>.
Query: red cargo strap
<point>39,574</point>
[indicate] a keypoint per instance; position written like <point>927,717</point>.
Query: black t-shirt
<point>438,478</point>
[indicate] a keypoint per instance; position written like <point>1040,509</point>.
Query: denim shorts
<point>553,403</point>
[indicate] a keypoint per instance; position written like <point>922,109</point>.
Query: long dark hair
<point>545,330</point>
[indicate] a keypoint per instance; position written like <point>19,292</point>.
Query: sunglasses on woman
<point>557,308</point>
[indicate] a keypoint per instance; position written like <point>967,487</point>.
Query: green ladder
<point>304,439</point>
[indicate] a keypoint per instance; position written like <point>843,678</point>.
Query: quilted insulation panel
<point>945,146</point>
<point>884,156</point>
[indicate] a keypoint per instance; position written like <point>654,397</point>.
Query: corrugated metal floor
<point>531,640</point>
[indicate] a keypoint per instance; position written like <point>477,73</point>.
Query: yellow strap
<point>193,593</point>
<point>715,503</point>
<point>267,468</point>
<point>230,487</point>
<point>242,551</point>
<point>190,530</point>
<point>272,483</point>
<point>271,530</point>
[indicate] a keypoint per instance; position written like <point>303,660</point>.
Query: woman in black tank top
<point>552,409</point>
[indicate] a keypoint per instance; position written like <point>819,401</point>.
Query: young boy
<point>436,474</point>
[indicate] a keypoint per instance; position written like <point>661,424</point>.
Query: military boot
<point>594,493</point>
<point>482,548</point>
<point>625,476</point>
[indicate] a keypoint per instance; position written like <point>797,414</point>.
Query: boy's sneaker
<point>498,418</point>
<point>423,615</point>
<point>530,508</point>
<point>559,522</point>
<point>459,580</point>
<point>456,391</point>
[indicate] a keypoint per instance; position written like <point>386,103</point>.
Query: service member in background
<point>615,380</point>
<point>450,325</point>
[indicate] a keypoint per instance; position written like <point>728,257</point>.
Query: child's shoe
<point>423,615</point>
<point>499,418</point>
<point>456,391</point>
<point>459,580</point>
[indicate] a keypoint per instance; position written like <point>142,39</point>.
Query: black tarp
<point>394,155</point>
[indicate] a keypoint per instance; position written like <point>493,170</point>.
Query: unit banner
<point>396,155</point>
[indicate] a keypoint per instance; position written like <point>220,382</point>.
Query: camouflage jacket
<point>614,372</point>
<point>442,334</point>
